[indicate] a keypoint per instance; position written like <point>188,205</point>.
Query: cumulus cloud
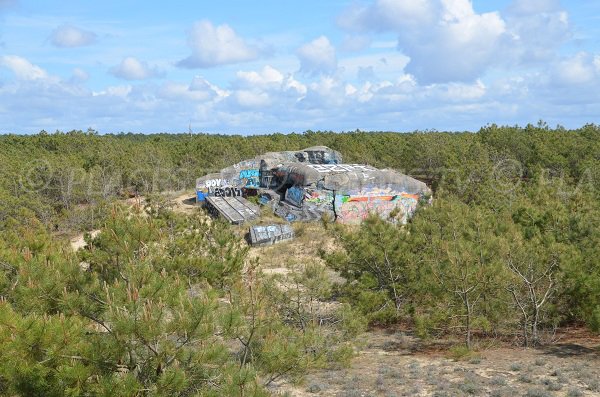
<point>447,40</point>
<point>267,87</point>
<point>217,45</point>
<point>317,57</point>
<point>271,99</point>
<point>582,68</point>
<point>387,15</point>
<point>537,28</point>
<point>22,68</point>
<point>252,99</point>
<point>68,36</point>
<point>131,68</point>
<point>198,90</point>
<point>265,77</point>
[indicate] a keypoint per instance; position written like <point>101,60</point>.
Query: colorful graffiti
<point>307,184</point>
<point>354,209</point>
<point>295,196</point>
<point>251,177</point>
<point>305,204</point>
<point>326,168</point>
<point>319,198</point>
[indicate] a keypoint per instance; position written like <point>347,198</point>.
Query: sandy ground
<point>78,242</point>
<point>397,364</point>
<point>185,202</point>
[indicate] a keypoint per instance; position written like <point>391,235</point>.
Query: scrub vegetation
<point>161,301</point>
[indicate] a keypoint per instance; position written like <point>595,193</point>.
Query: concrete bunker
<point>309,184</point>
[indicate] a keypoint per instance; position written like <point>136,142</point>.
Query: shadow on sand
<point>189,201</point>
<point>570,350</point>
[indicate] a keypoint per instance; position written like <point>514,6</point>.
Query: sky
<point>240,67</point>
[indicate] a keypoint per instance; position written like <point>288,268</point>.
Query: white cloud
<point>252,99</point>
<point>269,99</point>
<point>68,36</point>
<point>266,88</point>
<point>447,40</point>
<point>199,83</point>
<point>537,29</point>
<point>270,80</point>
<point>217,45</point>
<point>365,73</point>
<point>182,92</point>
<point>121,91</point>
<point>22,68</point>
<point>317,57</point>
<point>291,84</point>
<point>388,15</point>
<point>199,90</point>
<point>582,68</point>
<point>385,65</point>
<point>267,76</point>
<point>384,44</point>
<point>460,92</point>
<point>131,68</point>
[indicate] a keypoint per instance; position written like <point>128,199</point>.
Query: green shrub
<point>461,353</point>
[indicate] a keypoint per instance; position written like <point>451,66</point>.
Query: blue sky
<point>283,66</point>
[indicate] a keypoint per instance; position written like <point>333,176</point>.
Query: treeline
<point>66,179</point>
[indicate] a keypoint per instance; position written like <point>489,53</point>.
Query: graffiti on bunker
<point>354,209</point>
<point>227,192</point>
<point>251,177</point>
<point>295,196</point>
<point>308,184</point>
<point>327,168</point>
<point>270,234</point>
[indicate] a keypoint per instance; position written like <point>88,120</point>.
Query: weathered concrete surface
<point>270,234</point>
<point>254,173</point>
<point>312,183</point>
<point>235,210</point>
<point>347,193</point>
